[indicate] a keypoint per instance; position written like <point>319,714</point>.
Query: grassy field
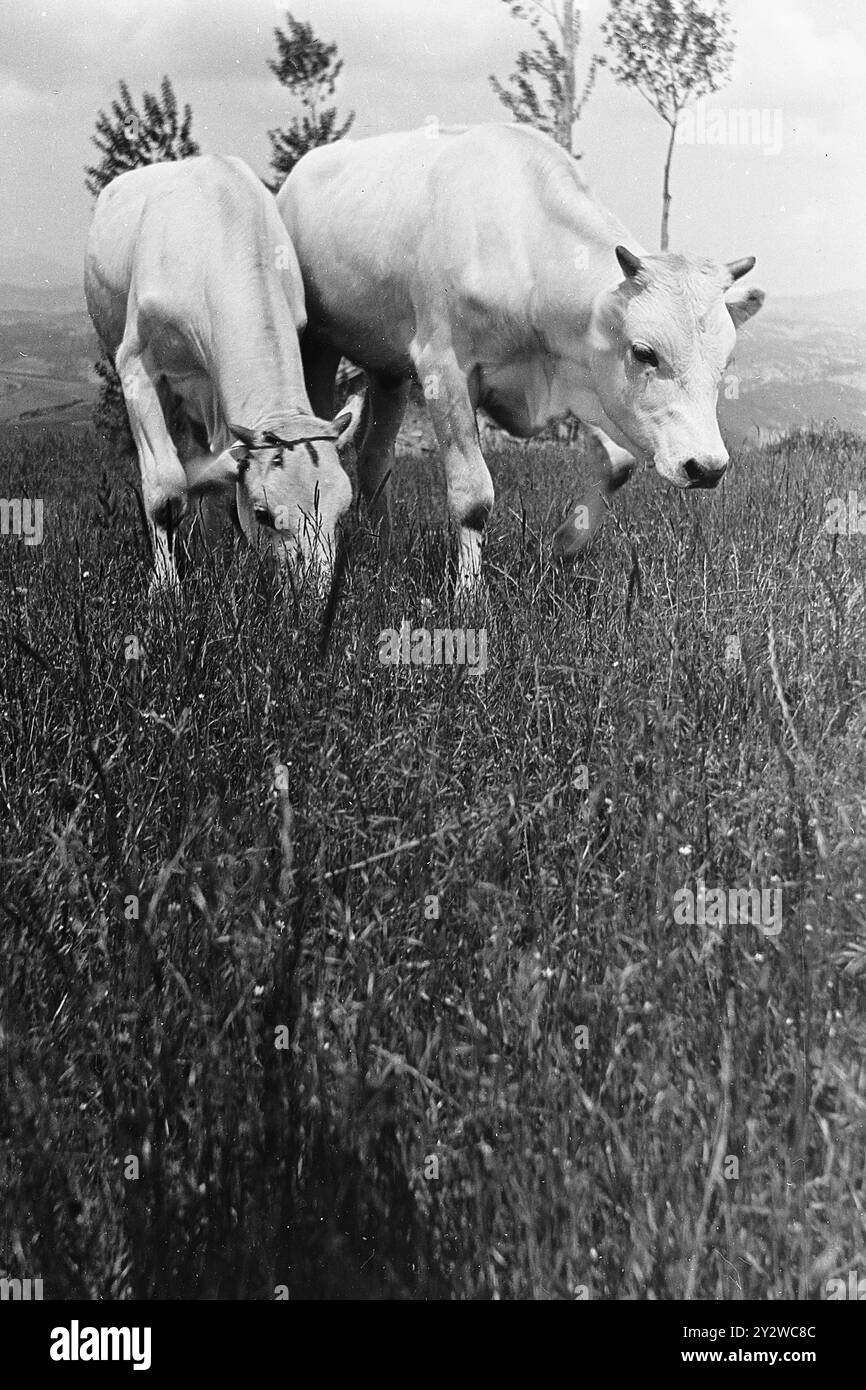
<point>329,978</point>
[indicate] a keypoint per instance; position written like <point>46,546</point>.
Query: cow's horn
<point>630,264</point>
<point>736,269</point>
<point>245,436</point>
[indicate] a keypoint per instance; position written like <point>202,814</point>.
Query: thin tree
<point>127,138</point>
<point>542,91</point>
<point>309,68</point>
<point>673,52</point>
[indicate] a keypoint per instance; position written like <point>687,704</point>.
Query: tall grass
<point>332,978</point>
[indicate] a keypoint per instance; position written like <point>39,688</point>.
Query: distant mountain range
<point>47,343</point>
<point>30,284</point>
<point>800,360</point>
<point>42,299</point>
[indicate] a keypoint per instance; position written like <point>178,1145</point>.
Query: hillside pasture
<point>337,979</point>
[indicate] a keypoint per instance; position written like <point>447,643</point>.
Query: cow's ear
<point>348,421</point>
<point>630,264</point>
<point>743,304</point>
<point>212,473</point>
<point>246,437</point>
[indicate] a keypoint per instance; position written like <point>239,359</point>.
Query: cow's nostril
<point>699,475</point>
<point>263,516</point>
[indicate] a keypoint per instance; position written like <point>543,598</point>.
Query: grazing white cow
<point>195,292</point>
<point>478,261</point>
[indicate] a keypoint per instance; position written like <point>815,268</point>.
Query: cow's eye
<point>645,355</point>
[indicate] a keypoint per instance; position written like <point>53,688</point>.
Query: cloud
<point>795,56</point>
<point>407,59</point>
<point>16,97</point>
<point>103,40</point>
<point>99,41</point>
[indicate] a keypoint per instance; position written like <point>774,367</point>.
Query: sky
<point>790,189</point>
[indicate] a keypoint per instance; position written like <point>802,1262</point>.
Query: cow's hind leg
<point>163,481</point>
<point>610,468</point>
<point>470,486</point>
<point>385,408</point>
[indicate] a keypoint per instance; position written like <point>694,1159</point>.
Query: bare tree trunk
<point>566,114</point>
<point>666,186</point>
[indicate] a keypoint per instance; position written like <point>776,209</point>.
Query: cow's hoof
<point>569,544</point>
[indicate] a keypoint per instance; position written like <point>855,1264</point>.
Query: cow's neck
<point>251,353</point>
<point>547,374</point>
<point>538,386</point>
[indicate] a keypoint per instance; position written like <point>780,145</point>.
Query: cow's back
<point>396,234</point>
<point>354,211</point>
<point>183,234</point>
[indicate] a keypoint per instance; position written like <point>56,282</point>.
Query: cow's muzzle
<point>702,474</point>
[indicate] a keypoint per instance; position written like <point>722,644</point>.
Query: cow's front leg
<point>191,442</point>
<point>214,511</point>
<point>321,364</point>
<point>610,468</point>
<point>470,486</point>
<point>163,480</point>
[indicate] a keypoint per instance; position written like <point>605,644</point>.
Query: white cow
<point>478,261</point>
<point>195,291</point>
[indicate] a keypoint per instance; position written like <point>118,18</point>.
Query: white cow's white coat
<point>195,291</point>
<point>479,261</point>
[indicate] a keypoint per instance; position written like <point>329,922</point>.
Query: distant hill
<point>46,364</point>
<point>47,343</point>
<point>37,270</point>
<point>42,299</point>
<point>30,284</point>
<point>800,359</point>
<point>841,307</point>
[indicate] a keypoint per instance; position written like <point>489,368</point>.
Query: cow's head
<point>661,340</point>
<point>291,488</point>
